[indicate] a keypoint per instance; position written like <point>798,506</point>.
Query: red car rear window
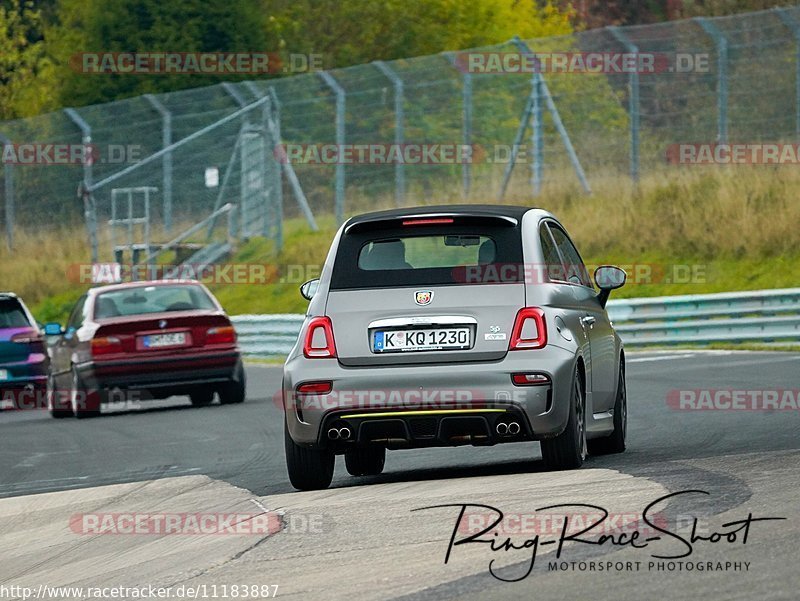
<point>142,300</point>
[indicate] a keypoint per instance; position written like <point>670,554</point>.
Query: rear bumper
<point>429,428</point>
<point>477,395</point>
<point>161,372</point>
<point>23,373</point>
<point>25,385</point>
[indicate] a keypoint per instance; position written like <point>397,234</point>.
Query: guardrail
<point>267,336</point>
<point>760,316</point>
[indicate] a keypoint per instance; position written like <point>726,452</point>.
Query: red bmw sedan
<point>146,340</point>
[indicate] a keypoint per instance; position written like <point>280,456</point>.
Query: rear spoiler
<point>422,218</point>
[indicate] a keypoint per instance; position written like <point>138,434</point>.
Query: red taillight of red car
<point>530,331</point>
<point>106,345</point>
<point>319,342</point>
<point>221,335</point>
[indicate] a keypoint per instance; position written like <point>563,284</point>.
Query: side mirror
<point>608,278</point>
<point>53,329</point>
<point>309,289</point>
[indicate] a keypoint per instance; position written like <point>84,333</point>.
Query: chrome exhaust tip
<point>344,433</point>
<point>501,428</point>
<point>513,428</point>
<point>333,434</point>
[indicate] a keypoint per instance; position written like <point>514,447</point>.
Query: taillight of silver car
<point>530,330</point>
<point>318,343</point>
<point>534,379</point>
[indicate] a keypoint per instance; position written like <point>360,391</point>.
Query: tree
<point>25,70</point>
<point>347,32</point>
<point>147,26</point>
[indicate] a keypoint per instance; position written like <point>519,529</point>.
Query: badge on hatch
<point>423,297</point>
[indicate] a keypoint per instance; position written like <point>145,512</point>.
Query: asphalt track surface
<point>367,543</point>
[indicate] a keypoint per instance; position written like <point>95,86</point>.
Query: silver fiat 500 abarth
<point>453,325</point>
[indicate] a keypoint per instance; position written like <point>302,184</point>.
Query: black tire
<point>85,403</point>
<point>234,391</point>
<point>57,403</point>
<point>365,461</point>
<point>615,442</point>
<point>202,397</point>
<point>568,450</point>
<point>309,469</point>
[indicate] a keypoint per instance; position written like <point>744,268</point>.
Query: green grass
<point>651,274</point>
<point>668,275</point>
<point>719,230</point>
<point>702,276</point>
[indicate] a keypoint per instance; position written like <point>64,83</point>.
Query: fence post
<point>271,111</point>
<point>544,93</point>
<point>534,115</point>
<point>269,216</point>
<point>275,109</point>
<point>722,76</point>
<point>466,122</point>
<point>523,125</point>
<point>794,27</point>
<point>8,178</point>
<point>89,206</point>
<point>244,209</point>
<point>633,102</point>
<point>399,118</point>
<point>166,160</point>
<point>537,132</point>
<point>340,141</point>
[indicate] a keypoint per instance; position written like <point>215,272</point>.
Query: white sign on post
<point>212,177</point>
<point>106,273</point>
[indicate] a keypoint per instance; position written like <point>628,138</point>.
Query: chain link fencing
<point>500,122</point>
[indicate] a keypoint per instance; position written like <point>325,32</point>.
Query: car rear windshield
<point>424,255</point>
<point>151,299</point>
<point>11,314</point>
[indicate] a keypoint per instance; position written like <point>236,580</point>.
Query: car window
<point>141,300</point>
<point>576,271</point>
<point>444,254</point>
<point>75,320</point>
<point>423,252</point>
<point>11,314</point>
<point>553,265</point>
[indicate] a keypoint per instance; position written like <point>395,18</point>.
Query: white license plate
<point>3,374</point>
<point>421,340</point>
<point>161,340</point>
